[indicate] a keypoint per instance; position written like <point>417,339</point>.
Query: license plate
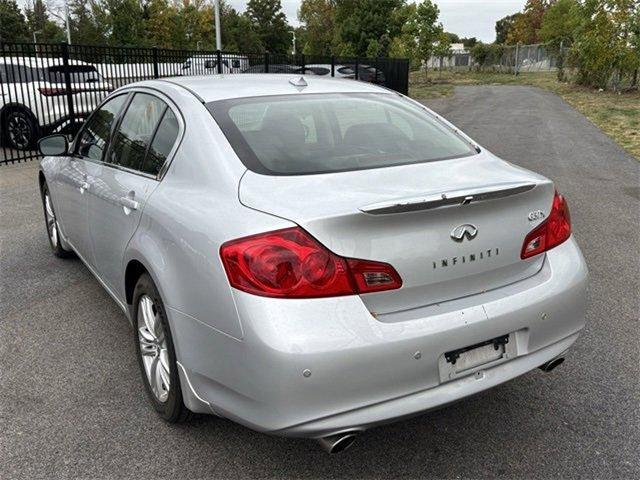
<point>477,355</point>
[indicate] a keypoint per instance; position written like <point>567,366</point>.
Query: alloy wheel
<point>52,225</point>
<point>19,131</point>
<point>153,348</point>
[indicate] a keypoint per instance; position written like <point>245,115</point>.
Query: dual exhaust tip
<point>551,364</point>
<point>341,441</point>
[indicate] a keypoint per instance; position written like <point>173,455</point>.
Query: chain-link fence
<point>502,58</point>
<point>517,59</point>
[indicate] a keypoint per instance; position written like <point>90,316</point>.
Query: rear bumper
<point>313,368</point>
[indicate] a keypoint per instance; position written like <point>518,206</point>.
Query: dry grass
<point>618,115</point>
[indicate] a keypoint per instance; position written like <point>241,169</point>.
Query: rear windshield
<point>322,133</point>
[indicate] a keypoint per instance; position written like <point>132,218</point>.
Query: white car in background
<point>366,73</point>
<point>34,100</point>
<point>208,63</point>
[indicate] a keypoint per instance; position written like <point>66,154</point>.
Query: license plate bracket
<point>470,359</point>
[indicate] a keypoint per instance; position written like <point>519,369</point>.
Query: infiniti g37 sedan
<point>312,257</point>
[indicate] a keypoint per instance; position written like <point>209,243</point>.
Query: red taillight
<point>550,233</point>
<point>290,263</point>
<point>52,92</point>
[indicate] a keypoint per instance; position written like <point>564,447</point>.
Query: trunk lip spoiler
<point>452,198</point>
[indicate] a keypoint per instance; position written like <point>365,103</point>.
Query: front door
<point>124,183</point>
<point>75,180</point>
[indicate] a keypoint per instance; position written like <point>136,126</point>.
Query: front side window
<point>135,132</point>
<point>322,133</point>
<point>95,134</point>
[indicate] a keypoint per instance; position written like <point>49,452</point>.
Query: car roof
<point>211,88</point>
<point>39,61</point>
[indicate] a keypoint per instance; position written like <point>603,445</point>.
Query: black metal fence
<point>47,88</point>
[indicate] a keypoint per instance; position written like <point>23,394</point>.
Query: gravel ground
<point>72,403</point>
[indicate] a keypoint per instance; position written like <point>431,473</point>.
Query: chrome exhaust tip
<point>551,364</point>
<point>338,443</point>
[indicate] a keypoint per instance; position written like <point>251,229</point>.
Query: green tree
<point>270,23</point>
<point>603,50</point>
<point>442,48</point>
<point>237,32</point>
<point>89,23</point>
<point>504,25</point>
<point>38,21</point>
<point>426,29</point>
<point>481,53</point>
<point>560,22</point>
<point>361,21</point>
<point>373,49</point>
<point>469,43</point>
<point>126,23</point>
<point>526,27</point>
<point>161,24</point>
<point>451,37</point>
<point>13,26</point>
<point>318,18</point>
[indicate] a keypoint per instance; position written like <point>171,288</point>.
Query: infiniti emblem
<point>464,230</point>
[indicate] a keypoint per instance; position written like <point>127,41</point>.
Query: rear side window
<point>163,142</point>
<point>323,133</point>
<point>77,74</point>
<point>135,131</point>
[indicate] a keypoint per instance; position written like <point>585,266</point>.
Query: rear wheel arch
<point>135,269</point>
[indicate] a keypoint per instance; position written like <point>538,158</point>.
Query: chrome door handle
<point>128,204</point>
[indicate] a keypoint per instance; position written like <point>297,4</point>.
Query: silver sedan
<point>312,257</point>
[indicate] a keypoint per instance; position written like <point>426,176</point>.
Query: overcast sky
<point>467,18</point>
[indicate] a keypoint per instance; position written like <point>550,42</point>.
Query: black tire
<point>54,240</point>
<point>173,409</point>
<point>20,129</point>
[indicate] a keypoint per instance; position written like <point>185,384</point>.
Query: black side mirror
<point>54,145</point>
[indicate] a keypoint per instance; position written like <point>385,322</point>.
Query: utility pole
<point>66,21</point>
<point>216,4</point>
<point>294,42</point>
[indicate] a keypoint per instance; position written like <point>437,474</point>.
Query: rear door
<point>141,144</point>
<point>75,178</point>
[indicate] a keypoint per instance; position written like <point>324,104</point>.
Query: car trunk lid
<point>408,215</point>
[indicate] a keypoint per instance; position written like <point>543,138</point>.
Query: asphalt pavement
<point>72,402</point>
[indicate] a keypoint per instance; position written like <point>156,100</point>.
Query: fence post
<point>357,76</point>
<point>515,68</point>
<point>304,62</point>
<point>375,78</point>
<point>266,62</point>
<point>155,63</point>
<point>219,60</point>
<point>67,84</point>
<point>333,65</point>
